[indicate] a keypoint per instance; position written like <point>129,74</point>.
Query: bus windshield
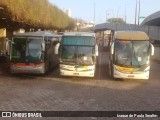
<point>78,50</point>
<point>27,49</point>
<point>131,53</point>
<point>80,55</point>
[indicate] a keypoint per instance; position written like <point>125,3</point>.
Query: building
<point>68,11</point>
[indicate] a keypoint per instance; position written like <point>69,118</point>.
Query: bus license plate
<point>75,73</point>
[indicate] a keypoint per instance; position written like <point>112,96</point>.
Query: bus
<point>78,52</point>
<point>130,53</point>
<point>34,52</point>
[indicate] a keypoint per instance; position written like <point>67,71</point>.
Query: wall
<point>156,54</point>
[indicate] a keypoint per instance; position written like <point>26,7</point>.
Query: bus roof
<point>79,34</point>
<point>131,35</point>
<point>37,33</point>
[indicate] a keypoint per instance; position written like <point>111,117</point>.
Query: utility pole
<point>136,13</point>
<point>118,13</point>
<point>94,13</point>
<point>139,11</point>
<point>125,14</point>
<point>107,14</point>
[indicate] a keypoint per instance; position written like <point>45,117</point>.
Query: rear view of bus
<point>130,55</point>
<point>78,51</point>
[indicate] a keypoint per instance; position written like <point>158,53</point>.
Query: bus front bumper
<point>130,73</point>
<point>123,75</point>
<point>78,74</point>
<point>28,69</point>
<point>84,71</point>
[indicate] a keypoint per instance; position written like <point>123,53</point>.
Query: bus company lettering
<point>14,114</point>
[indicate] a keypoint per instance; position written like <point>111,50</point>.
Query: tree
<point>72,24</point>
<point>36,13</point>
<point>116,20</point>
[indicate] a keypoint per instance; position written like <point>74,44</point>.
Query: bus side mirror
<point>57,48</point>
<point>112,48</point>
<point>43,47</point>
<point>151,50</point>
<point>96,50</point>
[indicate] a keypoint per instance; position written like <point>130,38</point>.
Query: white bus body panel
<point>81,71</point>
<point>125,75</point>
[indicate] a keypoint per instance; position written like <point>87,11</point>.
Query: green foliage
<point>37,13</point>
<point>116,20</point>
<point>71,25</point>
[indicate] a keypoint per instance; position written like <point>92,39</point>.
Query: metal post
<point>125,14</point>
<point>108,12</point>
<point>139,12</point>
<point>118,13</point>
<point>94,13</point>
<point>106,16</point>
<point>136,13</point>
